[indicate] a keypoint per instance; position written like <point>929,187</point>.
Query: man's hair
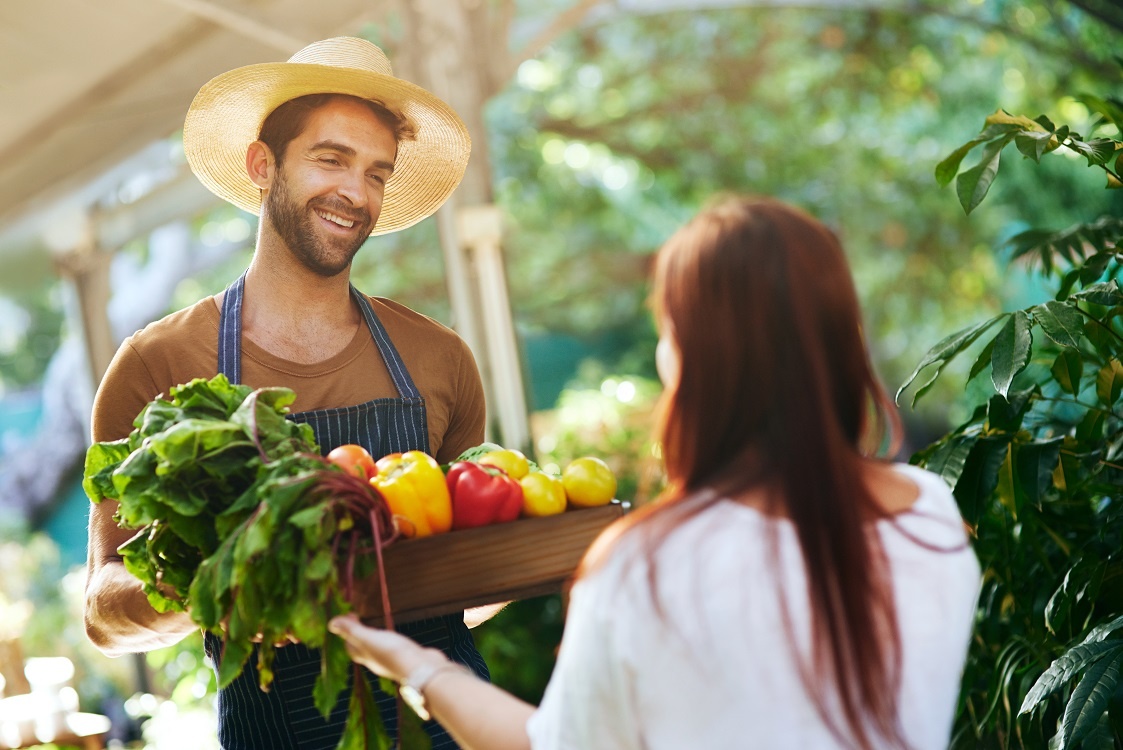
<point>288,120</point>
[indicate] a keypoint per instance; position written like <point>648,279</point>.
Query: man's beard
<point>296,227</point>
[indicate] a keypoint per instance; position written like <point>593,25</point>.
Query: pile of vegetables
<point>486,484</point>
<point>241,523</point>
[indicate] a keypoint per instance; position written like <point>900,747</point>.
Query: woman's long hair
<point>776,393</point>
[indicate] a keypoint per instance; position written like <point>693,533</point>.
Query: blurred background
<point>599,126</point>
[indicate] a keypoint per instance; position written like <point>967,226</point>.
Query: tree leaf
<point>1034,144</point>
<point>949,458</point>
<point>947,168</point>
<point>1107,294</point>
<point>1065,667</point>
<point>1090,428</point>
<point>980,476</point>
<point>1005,413</point>
<point>972,185</point>
<point>1107,108</point>
<point>1109,383</point>
<point>1102,631</point>
<point>982,361</point>
<point>1011,351</point>
<point>1098,152</point>
<point>1033,466</point>
<point>1061,322</point>
<point>1067,369</point>
<point>1101,736</point>
<point>1089,699</point>
<point>946,350</point>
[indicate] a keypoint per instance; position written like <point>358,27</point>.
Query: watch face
<point>414,700</point>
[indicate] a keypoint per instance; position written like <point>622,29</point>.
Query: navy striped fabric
<point>286,718</point>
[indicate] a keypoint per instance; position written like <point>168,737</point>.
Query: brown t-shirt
<point>184,345</point>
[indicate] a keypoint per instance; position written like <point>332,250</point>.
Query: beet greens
<point>241,523</point>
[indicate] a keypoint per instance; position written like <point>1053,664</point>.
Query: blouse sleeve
<point>590,701</point>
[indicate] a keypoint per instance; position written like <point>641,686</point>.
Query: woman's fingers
<point>383,652</point>
<point>371,647</point>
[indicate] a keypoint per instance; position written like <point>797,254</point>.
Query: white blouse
<point>717,671</point>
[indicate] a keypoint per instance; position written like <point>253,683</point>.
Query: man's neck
<point>295,313</point>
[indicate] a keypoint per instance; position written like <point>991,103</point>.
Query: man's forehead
<point>349,124</point>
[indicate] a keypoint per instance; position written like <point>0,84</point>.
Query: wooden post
<point>445,57</point>
<point>480,229</point>
<point>86,266</point>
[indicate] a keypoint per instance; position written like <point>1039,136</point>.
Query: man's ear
<point>260,165</point>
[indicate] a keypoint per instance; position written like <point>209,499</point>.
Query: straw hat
<point>226,116</point>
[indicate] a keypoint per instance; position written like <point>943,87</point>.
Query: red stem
<point>387,617</point>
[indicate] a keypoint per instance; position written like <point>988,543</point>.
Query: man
<point>329,148</point>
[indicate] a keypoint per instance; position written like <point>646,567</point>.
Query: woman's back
<point>715,669</point>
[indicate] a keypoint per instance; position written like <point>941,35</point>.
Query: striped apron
<point>286,718</point>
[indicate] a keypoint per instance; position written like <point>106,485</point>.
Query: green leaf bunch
<point>1037,470</point>
<point>242,524</point>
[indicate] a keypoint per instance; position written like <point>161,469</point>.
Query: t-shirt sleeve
<point>590,700</point>
<point>124,390</point>
<point>469,410</point>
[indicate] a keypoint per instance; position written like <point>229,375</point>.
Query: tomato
<point>354,460</point>
<point>543,495</point>
<point>513,462</point>
<point>588,482</point>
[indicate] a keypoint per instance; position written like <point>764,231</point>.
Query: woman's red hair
<point>776,393</point>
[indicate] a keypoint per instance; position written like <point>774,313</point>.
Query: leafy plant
<point>1037,470</point>
<point>241,523</point>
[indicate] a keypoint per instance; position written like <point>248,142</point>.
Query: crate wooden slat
<point>451,572</point>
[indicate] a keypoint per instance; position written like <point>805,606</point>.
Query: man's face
<point>327,194</point>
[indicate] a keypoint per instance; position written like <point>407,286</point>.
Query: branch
<point>564,21</point>
<point>1069,52</point>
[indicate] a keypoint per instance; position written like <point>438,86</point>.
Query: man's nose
<point>353,187</point>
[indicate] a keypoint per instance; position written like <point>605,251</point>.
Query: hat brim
<point>226,116</point>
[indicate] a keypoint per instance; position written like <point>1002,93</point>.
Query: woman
<point>787,590</point>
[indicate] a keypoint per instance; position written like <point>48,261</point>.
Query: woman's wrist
<point>416,659</point>
<point>414,684</point>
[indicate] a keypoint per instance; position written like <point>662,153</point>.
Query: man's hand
<point>119,619</point>
<point>479,615</point>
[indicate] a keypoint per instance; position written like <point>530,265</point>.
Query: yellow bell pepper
<point>414,487</point>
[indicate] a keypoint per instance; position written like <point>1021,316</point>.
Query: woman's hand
<point>478,715</point>
<point>383,652</point>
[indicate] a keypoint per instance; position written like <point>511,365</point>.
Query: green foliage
<point>242,524</point>
<point>616,133</point>
<point>1037,470</point>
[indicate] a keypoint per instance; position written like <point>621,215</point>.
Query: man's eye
<point>377,178</point>
<point>330,160</point>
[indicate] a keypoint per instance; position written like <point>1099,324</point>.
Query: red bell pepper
<point>482,495</point>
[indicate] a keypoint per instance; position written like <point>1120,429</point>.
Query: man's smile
<point>327,216</point>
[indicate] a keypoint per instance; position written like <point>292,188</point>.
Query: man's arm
<point>119,619</point>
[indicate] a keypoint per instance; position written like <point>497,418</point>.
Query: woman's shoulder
<point>933,493</point>
<point>934,518</point>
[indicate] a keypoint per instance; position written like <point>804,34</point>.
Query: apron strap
<point>402,380</point>
<point>230,331</point>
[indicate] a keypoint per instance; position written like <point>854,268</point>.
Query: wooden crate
<point>451,572</point>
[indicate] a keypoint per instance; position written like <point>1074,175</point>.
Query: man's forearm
<point>119,619</point>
